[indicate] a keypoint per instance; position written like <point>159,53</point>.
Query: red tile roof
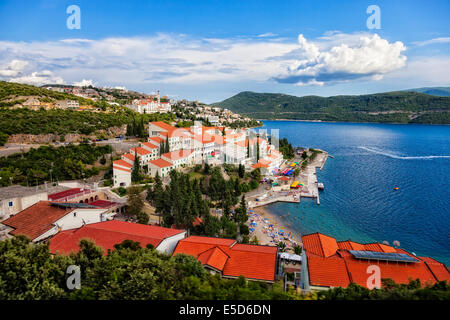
<point>327,272</point>
<point>161,163</point>
<point>330,263</point>
<point>438,269</point>
<point>320,244</point>
<point>107,234</point>
<point>36,220</point>
<point>232,259</point>
<point>214,257</point>
<point>122,163</point>
<point>179,154</point>
<point>66,193</point>
<point>103,204</point>
<point>156,139</point>
<point>128,156</point>
<point>140,151</point>
<point>149,145</point>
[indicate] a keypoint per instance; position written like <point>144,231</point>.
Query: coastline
<point>373,122</point>
<point>268,235</point>
<point>264,239</point>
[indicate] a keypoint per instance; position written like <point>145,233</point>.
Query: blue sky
<point>210,50</point>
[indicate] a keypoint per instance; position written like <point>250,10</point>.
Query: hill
<point>103,121</point>
<point>394,107</point>
<point>434,91</point>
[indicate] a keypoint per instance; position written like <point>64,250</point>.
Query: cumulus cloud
<point>181,60</point>
<point>84,83</point>
<point>370,56</point>
<point>13,68</point>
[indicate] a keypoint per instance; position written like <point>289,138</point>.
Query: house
<point>231,259</point>
<point>107,234</point>
<point>14,199</point>
<point>122,173</point>
<point>45,219</point>
<point>66,104</point>
<point>160,167</point>
<point>179,157</point>
<point>327,263</point>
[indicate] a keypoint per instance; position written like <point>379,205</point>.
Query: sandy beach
<point>262,230</point>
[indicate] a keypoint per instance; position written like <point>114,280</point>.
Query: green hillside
<point>434,91</point>
<point>398,107</point>
<point>12,90</point>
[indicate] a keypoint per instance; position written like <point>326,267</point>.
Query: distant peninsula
<point>408,106</point>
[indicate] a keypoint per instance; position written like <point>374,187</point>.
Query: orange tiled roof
<point>251,261</point>
<point>327,272</point>
<point>36,219</point>
<point>320,244</point>
<point>107,234</point>
<point>438,269</point>
<point>179,154</point>
<point>128,156</point>
<point>122,163</point>
<point>161,163</point>
<point>140,151</point>
<point>350,245</point>
<point>379,247</point>
<point>331,264</point>
<point>149,145</point>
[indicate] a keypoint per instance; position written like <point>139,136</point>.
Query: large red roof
<point>107,234</point>
<point>66,193</point>
<point>36,219</point>
<point>230,258</point>
<point>178,154</point>
<point>331,264</point>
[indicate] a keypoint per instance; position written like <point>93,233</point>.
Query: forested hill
<point>398,107</point>
<point>434,91</point>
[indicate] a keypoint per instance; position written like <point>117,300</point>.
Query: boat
<point>396,188</point>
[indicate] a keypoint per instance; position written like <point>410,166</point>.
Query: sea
<point>359,201</point>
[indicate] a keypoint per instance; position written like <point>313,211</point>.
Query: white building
<point>45,219</point>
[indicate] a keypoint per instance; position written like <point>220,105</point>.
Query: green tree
<point>135,201</point>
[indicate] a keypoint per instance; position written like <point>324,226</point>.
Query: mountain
<point>434,91</point>
<point>395,107</point>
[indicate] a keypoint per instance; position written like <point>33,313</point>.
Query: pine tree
<point>136,168</point>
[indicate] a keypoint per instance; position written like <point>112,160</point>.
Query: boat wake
<point>394,156</point>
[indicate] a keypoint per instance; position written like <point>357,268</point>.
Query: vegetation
<point>390,291</point>
<point>29,272</point>
<point>185,199</point>
<point>286,149</point>
<point>49,163</point>
<point>400,107</point>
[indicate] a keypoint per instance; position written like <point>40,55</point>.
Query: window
<point>10,203</point>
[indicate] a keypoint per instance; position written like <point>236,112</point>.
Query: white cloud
<point>13,69</point>
<point>84,83</point>
<point>181,60</point>
<point>38,78</point>
<point>370,56</point>
<point>432,41</point>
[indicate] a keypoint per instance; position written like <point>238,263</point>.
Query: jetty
<point>284,193</point>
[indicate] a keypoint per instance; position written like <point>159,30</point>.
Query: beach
<point>262,230</point>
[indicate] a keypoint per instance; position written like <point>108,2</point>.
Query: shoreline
<point>374,122</point>
<point>263,234</point>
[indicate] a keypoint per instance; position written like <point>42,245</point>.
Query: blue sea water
<point>359,202</point>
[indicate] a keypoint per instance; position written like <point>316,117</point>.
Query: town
<point>64,214</point>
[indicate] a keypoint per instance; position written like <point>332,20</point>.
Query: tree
<point>298,250</point>
<point>241,171</point>
<point>135,201</point>
<point>135,172</point>
<point>296,172</point>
